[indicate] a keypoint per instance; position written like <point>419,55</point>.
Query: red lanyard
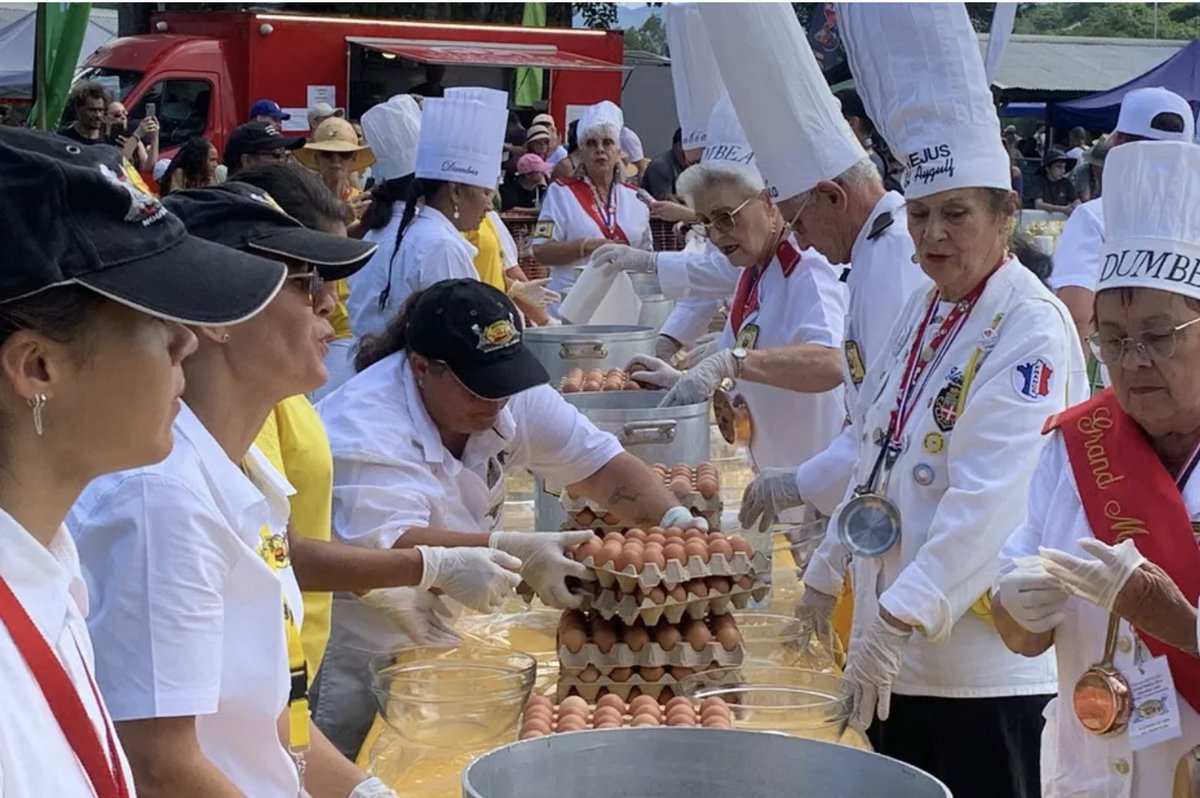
<point>923,359</point>
<point>108,780</point>
<point>607,211</point>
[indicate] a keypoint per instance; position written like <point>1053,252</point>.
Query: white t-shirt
<point>1080,764</point>
<point>392,472</point>
<point>187,617</point>
<point>433,250</point>
<point>1077,255</point>
<point>35,758</point>
<point>368,283</point>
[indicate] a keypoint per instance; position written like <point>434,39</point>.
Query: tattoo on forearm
<point>623,495</point>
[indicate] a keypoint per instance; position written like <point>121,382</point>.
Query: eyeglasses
<point>791,225</point>
<point>723,222</point>
<point>1151,345</point>
<point>315,287</point>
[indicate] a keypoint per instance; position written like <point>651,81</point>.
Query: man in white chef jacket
<point>1149,114</point>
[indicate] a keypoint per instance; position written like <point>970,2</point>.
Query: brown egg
<point>653,555</point>
<point>635,534</point>
<point>651,674</point>
<point>610,700</point>
<point>606,713</point>
<point>620,674</point>
<point>679,593</point>
<point>642,703</point>
<point>677,702</point>
<point>571,619</point>
<point>659,468</point>
<point>573,639</point>
<point>630,556</point>
<point>707,486</point>
<point>656,537</point>
<point>729,637</point>
<point>680,672</point>
<point>667,636</point>
<point>636,637</point>
<point>589,548</point>
<point>609,552</point>
<point>673,532</point>
<point>617,536</point>
<point>697,588</point>
<point>691,533</point>
<point>680,486</point>
<point>740,544</point>
<point>540,725</point>
<point>745,582</point>
<point>713,702</point>
<point>645,720</point>
<point>681,720</point>
<point>588,674</point>
<point>572,723</point>
<point>573,704</point>
<point>571,386</point>
<point>696,548</point>
<point>540,715</point>
<point>609,723</point>
<point>531,734</point>
<point>718,584</point>
<point>698,635</point>
<point>603,634</point>
<point>675,551</point>
<point>585,518</point>
<point>720,546</point>
<point>612,518</point>
<point>717,722</point>
<point>539,701</point>
<point>657,595</point>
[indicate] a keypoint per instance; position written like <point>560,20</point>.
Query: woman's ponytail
<point>394,338</point>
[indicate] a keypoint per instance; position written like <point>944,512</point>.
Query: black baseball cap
<point>255,137</point>
<point>79,216</point>
<point>477,332</point>
<point>245,217</point>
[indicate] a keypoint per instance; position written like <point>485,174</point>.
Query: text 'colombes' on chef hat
<point>792,120</point>
<point>927,93</point>
<point>1151,226</point>
<point>461,141</point>
<point>694,74</point>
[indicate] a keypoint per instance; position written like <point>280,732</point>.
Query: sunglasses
<point>723,222</point>
<point>315,287</point>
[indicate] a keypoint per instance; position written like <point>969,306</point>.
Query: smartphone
<point>151,108</point>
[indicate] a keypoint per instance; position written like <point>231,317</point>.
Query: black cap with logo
<point>79,216</point>
<point>245,217</point>
<point>476,331</point>
<point>255,137</point>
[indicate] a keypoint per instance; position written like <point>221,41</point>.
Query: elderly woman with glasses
<point>1106,568</point>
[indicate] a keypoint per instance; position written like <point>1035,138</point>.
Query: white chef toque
<point>694,73</point>
<point>461,141</point>
<point>391,130</point>
<point>727,141</point>
<point>927,93</point>
<point>603,114</point>
<point>490,97</point>
<point>1151,225</point>
<point>791,118</point>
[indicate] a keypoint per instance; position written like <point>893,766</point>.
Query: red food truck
<point>203,71</point>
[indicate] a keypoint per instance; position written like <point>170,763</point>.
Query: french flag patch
<point>1031,379</point>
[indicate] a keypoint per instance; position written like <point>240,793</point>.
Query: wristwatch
<point>739,360</point>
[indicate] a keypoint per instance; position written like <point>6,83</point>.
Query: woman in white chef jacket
<point>447,400</point>
<point>80,323</point>
<point>1134,446</point>
<point>581,213</point>
<point>949,425</point>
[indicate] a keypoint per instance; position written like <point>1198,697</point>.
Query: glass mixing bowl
<point>774,639</point>
<point>454,698</point>
<point>533,631</point>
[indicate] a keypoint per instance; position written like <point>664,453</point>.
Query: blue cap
<point>268,108</point>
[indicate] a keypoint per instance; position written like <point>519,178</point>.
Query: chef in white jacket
<point>1137,448</point>
<point>949,424</point>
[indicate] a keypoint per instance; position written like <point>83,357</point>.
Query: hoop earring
<point>914,258</point>
<point>36,404</point>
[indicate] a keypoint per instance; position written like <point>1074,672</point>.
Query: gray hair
<point>861,173</point>
<point>602,128</point>
<point>705,175</point>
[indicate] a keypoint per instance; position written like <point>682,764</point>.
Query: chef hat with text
<point>490,97</point>
<point>727,141</point>
<point>694,73</point>
<point>391,130</point>
<point>461,141</point>
<point>791,118</point>
<point>604,115</point>
<point>1151,225</point>
<point>927,93</point>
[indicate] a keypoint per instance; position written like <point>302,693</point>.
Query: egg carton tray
<point>600,528</point>
<point>651,655</point>
<point>662,689</point>
<point>628,609</point>
<point>694,501</point>
<point>676,572</point>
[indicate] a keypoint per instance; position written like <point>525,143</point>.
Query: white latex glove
<point>545,564</point>
<point>697,385</point>
<point>478,578</point>
<point>705,345</point>
<point>1032,597</point>
<point>1097,581</point>
<point>871,669</point>
<point>660,374</point>
<point>770,493</point>
<point>814,613</point>
<point>683,518</point>
<point>419,614</point>
<point>665,347</point>
<point>534,292</point>
<point>613,258</point>
<point>372,788</point>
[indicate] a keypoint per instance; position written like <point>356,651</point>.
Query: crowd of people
<point>258,421</point>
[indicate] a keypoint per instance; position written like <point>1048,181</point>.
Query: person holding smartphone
<point>139,144</point>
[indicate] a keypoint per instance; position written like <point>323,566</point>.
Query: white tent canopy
<point>17,42</point>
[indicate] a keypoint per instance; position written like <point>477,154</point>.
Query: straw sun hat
<point>335,135</point>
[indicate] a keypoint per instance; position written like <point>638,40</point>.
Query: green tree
<point>651,37</point>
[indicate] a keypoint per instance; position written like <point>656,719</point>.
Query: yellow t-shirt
<point>294,440</point>
<point>339,317</point>
<point>489,263</point>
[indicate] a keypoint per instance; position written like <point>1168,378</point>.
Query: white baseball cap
<point>1140,106</point>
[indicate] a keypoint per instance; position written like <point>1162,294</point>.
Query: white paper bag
<point>597,298</point>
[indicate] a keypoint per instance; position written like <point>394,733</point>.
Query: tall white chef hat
<point>1151,226</point>
<point>603,115</point>
<point>391,130</point>
<point>694,73</point>
<point>490,97</point>
<point>792,120</point>
<point>927,93</point>
<point>727,141</point>
<point>461,141</point>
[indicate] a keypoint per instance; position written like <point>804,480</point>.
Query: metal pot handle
<point>582,350</point>
<point>639,432</point>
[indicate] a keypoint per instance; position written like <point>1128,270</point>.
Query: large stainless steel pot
<point>587,346</point>
<point>685,763</point>
<point>654,434</point>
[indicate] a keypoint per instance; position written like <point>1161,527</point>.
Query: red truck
<point>203,71</point>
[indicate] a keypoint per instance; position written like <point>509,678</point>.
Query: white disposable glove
<point>659,373</point>
<point>665,347</point>
<point>871,669</point>
<point>419,614</point>
<point>372,788</point>
<point>534,292</point>
<point>613,258</point>
<point>814,615</point>
<point>545,564</point>
<point>1097,581</point>
<point>767,495</point>
<point>697,385</point>
<point>1032,597</point>
<point>683,518</point>
<point>476,577</point>
<point>705,345</point>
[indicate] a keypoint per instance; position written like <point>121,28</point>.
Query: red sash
<point>1127,493</point>
<point>745,298</point>
<point>586,196</point>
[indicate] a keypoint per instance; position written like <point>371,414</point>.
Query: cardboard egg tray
<point>628,608</point>
<point>721,719</point>
<point>662,689</point>
<point>708,509</point>
<point>651,655</point>
<point>676,572</point>
<point>597,524</point>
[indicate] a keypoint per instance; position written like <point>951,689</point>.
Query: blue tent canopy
<point>1180,73</point>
